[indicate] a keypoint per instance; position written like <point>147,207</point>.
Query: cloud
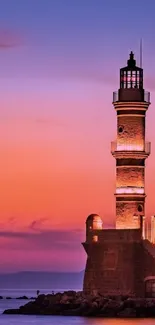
<point>9,223</point>
<point>9,39</point>
<point>42,239</point>
<point>38,236</point>
<point>36,225</point>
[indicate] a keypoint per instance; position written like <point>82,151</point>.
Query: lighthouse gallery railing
<point>115,146</point>
<point>146,96</point>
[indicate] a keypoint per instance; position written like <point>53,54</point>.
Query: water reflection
<point>55,320</point>
<point>132,321</point>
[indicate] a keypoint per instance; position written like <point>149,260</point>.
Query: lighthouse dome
<point>92,216</point>
<point>94,221</point>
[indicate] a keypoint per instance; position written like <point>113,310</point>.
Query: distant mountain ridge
<point>42,280</point>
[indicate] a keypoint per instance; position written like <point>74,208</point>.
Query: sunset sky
<point>59,64</point>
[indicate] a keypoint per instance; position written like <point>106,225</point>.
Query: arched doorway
<point>150,287</point>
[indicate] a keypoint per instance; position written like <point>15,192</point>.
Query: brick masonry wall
<point>121,235</point>
<point>110,269</point>
<point>133,129</point>
<point>118,263</point>
<point>125,212</point>
<point>149,258</point>
<point>130,176</point>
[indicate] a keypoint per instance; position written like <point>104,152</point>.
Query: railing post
<point>115,96</point>
<point>147,96</point>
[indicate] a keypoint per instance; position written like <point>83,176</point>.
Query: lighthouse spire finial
<point>131,62</point>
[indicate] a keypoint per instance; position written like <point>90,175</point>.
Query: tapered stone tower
<point>130,150</point>
<point>121,261</point>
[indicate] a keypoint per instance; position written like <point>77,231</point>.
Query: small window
<point>140,208</point>
<point>120,129</point>
<point>150,288</point>
<point>95,239</point>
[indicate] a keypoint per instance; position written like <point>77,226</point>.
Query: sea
<point>52,320</point>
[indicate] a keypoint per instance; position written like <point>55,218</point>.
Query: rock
<point>41,298</point>
<point>11,311</point>
<point>8,298</point>
<point>70,293</point>
<point>64,299</point>
<point>1,297</point>
<point>129,303</point>
<point>73,303</point>
<point>101,301</point>
<point>127,312</point>
<point>112,308</point>
<point>23,297</point>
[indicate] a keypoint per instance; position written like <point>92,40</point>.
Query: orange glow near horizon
<point>56,169</point>
<point>54,173</point>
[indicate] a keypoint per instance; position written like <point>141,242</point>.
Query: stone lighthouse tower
<point>121,261</point>
<point>130,150</point>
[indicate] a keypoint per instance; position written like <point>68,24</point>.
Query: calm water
<point>53,320</point>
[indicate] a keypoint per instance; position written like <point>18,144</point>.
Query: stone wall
<point>125,212</point>
<point>130,176</point>
<point>133,130</point>
<point>110,268</point>
<point>149,258</point>
<point>111,235</point>
<point>118,265</point>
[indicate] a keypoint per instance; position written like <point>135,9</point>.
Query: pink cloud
<point>9,39</point>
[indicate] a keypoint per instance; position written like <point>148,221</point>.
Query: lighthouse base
<point>119,263</point>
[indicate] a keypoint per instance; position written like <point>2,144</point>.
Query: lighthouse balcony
<point>127,149</point>
<point>131,95</point>
<point>130,190</point>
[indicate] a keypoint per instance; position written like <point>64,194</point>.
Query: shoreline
<point>72,303</point>
<point>17,298</point>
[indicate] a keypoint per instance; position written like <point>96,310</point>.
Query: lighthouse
<point>121,261</point>
<point>130,149</point>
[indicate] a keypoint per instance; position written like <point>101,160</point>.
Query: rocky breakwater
<point>71,303</point>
